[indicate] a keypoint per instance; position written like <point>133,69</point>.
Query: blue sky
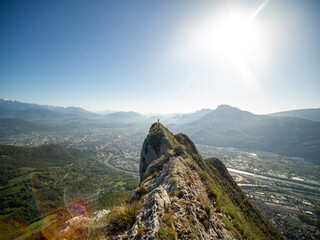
<point>161,56</point>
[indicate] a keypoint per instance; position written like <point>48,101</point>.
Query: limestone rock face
<point>156,144</point>
<point>151,213</point>
<point>183,195</point>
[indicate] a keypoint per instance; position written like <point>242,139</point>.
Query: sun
<point>230,39</point>
<point>236,35</point>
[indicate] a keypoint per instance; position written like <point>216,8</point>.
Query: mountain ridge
<point>16,107</point>
<point>231,127</point>
<point>181,199</point>
<point>225,126</point>
<point>312,114</point>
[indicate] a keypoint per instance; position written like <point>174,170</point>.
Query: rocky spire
<point>157,143</point>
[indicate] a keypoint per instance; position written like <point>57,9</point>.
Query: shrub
<point>141,231</point>
<point>190,181</point>
<point>168,218</point>
<point>166,230</point>
<point>230,227</point>
<point>206,224</point>
<point>204,204</point>
<point>219,225</point>
<point>212,193</point>
<point>177,193</point>
<point>122,217</point>
<point>166,233</point>
<point>219,209</point>
<point>172,180</point>
<point>141,191</point>
<point>78,230</point>
<point>147,178</point>
<point>204,176</point>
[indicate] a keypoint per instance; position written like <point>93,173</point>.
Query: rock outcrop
<point>186,197</point>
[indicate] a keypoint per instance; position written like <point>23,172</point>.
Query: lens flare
<point>78,204</point>
<point>81,207</point>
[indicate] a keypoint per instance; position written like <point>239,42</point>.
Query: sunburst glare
<point>236,35</point>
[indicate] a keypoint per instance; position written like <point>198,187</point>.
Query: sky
<point>161,56</point>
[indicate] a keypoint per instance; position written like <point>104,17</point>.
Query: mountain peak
<point>183,196</point>
<point>225,107</point>
<point>157,143</point>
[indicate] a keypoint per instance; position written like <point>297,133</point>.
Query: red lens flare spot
<point>81,206</point>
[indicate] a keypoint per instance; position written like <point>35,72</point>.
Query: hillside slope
<point>37,183</point>
<point>186,197</point>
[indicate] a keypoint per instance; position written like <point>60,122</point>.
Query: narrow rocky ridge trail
<point>183,196</point>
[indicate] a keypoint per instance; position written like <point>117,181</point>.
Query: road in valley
<point>106,162</point>
<point>273,178</point>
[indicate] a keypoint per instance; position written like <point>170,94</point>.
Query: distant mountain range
<point>105,112</point>
<point>231,127</point>
<point>29,111</point>
<point>292,133</point>
<point>310,114</point>
<point>45,113</point>
<point>36,112</point>
<point>187,118</point>
<point>126,117</point>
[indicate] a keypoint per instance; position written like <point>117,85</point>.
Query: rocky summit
<point>183,196</point>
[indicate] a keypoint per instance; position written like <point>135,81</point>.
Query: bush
<point>168,219</point>
<point>122,217</point>
<point>141,231</point>
<point>141,191</point>
<point>204,204</point>
<point>166,233</point>
<point>177,193</point>
<point>172,180</point>
<point>212,193</point>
